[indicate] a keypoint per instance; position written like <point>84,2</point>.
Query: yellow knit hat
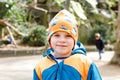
<point>63,21</point>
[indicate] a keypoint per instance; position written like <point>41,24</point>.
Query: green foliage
<point>37,37</point>
<point>102,29</point>
<point>4,8</point>
<point>56,3</point>
<point>17,14</point>
<point>112,35</point>
<point>1,43</point>
<point>86,6</point>
<point>83,33</point>
<point>102,5</point>
<point>1,27</point>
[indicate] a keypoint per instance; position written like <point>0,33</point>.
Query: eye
<point>68,35</point>
<point>56,35</point>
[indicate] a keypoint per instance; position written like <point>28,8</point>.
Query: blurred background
<point>23,25</point>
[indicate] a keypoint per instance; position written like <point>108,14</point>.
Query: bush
<point>4,8</point>
<point>37,37</point>
<point>102,29</point>
<point>83,33</point>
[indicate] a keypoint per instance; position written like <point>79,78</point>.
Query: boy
<point>65,59</point>
<point>99,44</point>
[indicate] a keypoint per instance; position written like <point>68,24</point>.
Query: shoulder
<point>44,63</point>
<point>43,59</point>
<point>79,59</point>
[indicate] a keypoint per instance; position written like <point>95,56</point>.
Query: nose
<point>62,39</point>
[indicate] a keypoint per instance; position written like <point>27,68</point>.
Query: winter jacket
<point>75,67</point>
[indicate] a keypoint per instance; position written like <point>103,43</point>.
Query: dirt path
<point>20,68</point>
<point>108,72</point>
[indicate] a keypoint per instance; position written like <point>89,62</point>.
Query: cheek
<point>72,43</point>
<point>52,42</point>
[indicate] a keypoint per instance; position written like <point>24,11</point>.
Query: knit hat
<point>63,21</point>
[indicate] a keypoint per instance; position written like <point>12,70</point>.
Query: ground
<point>108,71</point>
<point>20,68</point>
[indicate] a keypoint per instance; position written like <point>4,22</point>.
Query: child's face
<point>97,37</point>
<point>62,43</point>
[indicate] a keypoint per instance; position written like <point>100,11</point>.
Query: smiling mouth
<point>62,45</point>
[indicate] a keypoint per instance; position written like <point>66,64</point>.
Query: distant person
<point>99,44</point>
<point>66,58</point>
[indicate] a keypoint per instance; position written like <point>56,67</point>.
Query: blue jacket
<point>75,67</point>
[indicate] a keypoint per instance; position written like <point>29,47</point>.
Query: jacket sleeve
<point>35,76</point>
<point>93,73</point>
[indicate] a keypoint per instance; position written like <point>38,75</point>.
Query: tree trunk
<point>67,3</point>
<point>11,35</point>
<point>116,57</point>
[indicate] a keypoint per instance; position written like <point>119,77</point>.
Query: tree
<point>116,57</point>
<point>67,3</point>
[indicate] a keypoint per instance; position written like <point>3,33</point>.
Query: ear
<point>50,44</point>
